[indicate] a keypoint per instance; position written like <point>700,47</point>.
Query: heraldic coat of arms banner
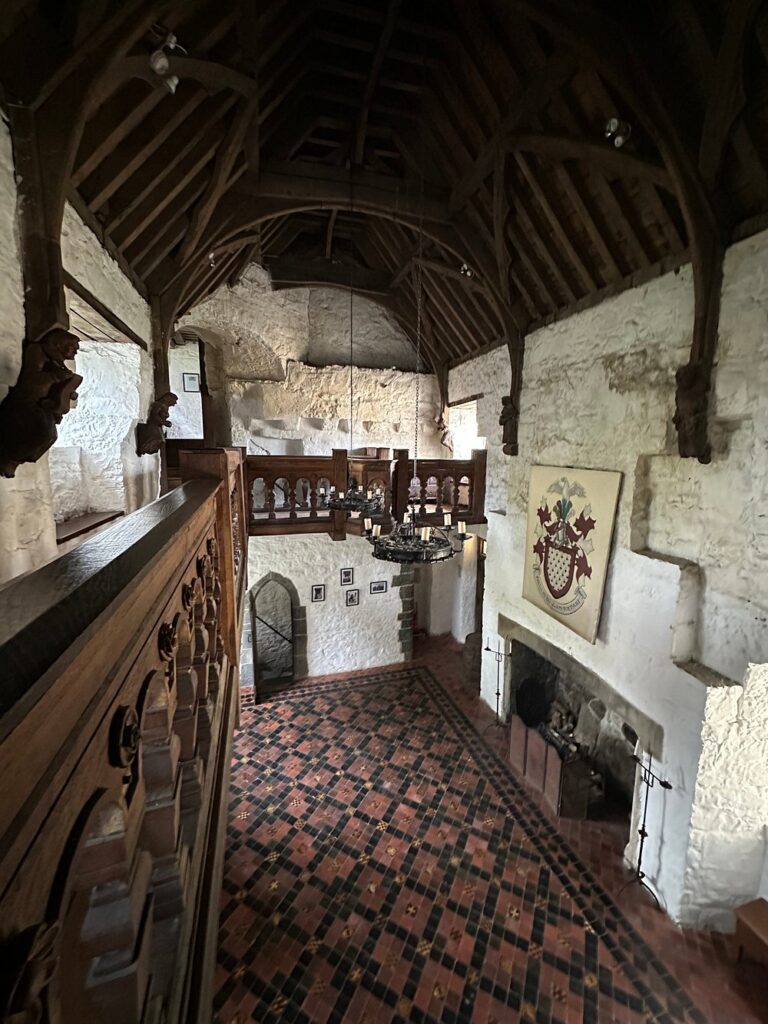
<point>568,541</point>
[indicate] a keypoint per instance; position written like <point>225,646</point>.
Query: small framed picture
<point>191,381</point>
<point>379,587</point>
<point>353,597</point>
<point>318,591</point>
<point>347,578</point>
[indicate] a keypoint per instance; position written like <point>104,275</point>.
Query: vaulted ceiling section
<point>441,147</point>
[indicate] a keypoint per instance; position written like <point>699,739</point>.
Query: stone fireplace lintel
<point>650,733</point>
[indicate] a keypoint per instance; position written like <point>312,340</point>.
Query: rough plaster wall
<point>187,415</point>
<point>261,330</point>
<point>489,376</point>
<point>602,412</point>
<point>313,404</point>
<point>274,640</point>
<point>339,639</point>
<point>27,534</point>
<point>613,410</point>
<point>267,340</point>
<point>88,461</point>
<point>445,594</point>
<point>377,337</point>
<point>729,823</point>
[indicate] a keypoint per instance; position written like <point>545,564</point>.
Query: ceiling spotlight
<point>617,131</point>
<point>160,62</point>
<point>466,271</point>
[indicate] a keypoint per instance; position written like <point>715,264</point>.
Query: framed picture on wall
<point>379,587</point>
<point>318,592</point>
<point>353,597</point>
<point>191,381</point>
<point>347,577</point>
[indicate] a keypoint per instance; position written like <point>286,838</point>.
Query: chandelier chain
<point>351,292</point>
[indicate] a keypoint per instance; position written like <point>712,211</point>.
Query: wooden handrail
<point>119,663</point>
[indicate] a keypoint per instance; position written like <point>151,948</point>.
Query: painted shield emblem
<point>559,566</point>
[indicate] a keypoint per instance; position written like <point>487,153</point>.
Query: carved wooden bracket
<point>150,436</point>
<point>37,402</point>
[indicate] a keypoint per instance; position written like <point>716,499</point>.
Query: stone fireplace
<point>581,714</point>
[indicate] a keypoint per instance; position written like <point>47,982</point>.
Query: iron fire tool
<point>499,655</point>
<point>649,778</point>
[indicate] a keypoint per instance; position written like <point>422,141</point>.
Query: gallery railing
<point>119,666</point>
<point>289,494</point>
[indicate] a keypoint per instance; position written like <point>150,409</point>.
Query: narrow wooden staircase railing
<point>119,694</point>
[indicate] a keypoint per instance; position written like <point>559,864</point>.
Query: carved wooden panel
<point>121,763</point>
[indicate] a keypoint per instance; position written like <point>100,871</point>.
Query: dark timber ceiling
<point>318,137</point>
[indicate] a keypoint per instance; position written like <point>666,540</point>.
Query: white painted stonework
<point>598,392</point>
<point>27,534</point>
<point>94,467</point>
<point>262,330</point>
<point>445,594</point>
<point>284,355</point>
<point>729,822</point>
<point>339,639</point>
<point>187,415</point>
<point>312,406</point>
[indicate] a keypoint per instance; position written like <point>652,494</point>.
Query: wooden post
<point>339,474</point>
<point>480,461</point>
<point>400,484</point>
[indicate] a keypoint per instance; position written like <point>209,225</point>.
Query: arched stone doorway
<point>278,630</point>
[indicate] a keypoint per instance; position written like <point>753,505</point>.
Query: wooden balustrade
<point>118,700</point>
<point>284,491</point>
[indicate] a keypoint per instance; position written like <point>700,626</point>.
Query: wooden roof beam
<point>379,56</point>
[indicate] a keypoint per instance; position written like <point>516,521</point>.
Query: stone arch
<point>298,622</point>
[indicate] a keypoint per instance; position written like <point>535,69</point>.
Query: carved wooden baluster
<point>204,622</point>
<point>313,484</point>
<point>216,641</point>
<point>269,487</point>
<point>185,722</point>
<point>422,493</point>
<point>106,938</point>
<point>291,493</point>
<point>469,477</point>
<point>160,827</point>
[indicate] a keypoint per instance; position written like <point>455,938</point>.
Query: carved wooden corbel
<point>37,402</point>
<point>150,436</point>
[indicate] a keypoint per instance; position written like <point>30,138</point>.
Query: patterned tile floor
<point>384,865</point>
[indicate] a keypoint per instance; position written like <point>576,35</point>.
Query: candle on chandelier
<point>446,519</point>
<point>425,533</point>
<point>406,517</point>
<point>322,492</point>
<point>369,493</point>
<point>377,530</point>
<point>367,524</point>
<point>462,528</point>
<point>341,494</point>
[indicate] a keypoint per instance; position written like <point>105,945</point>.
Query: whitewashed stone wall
<point>445,594</point>
<point>97,439</point>
<point>285,352</point>
<point>187,415</point>
<point>339,639</point>
<point>312,406</point>
<point>94,467</point>
<point>27,534</point>
<point>598,393</point>
<point>488,376</point>
<point>729,823</point>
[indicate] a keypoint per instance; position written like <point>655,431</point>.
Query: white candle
<point>322,492</point>
<point>425,533</point>
<point>462,528</point>
<point>446,519</point>
<point>377,530</point>
<point>369,493</point>
<point>341,494</point>
<point>367,524</point>
<point>406,517</point>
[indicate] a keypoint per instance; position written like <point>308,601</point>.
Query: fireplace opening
<point>567,741</point>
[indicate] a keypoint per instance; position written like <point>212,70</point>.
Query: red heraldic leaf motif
<point>584,524</point>
<point>583,568</point>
